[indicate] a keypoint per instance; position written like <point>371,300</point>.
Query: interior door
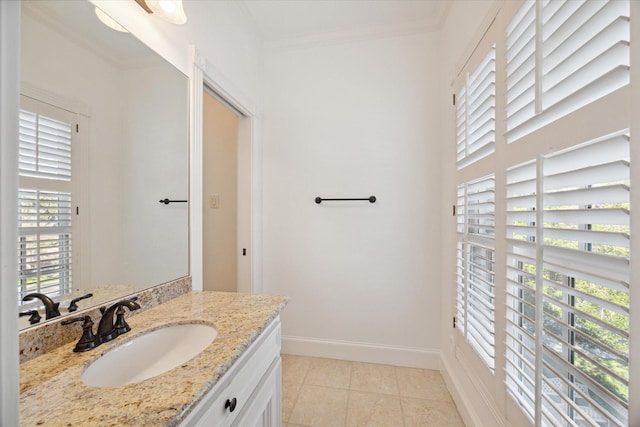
<point>220,196</point>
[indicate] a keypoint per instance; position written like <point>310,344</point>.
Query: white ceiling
<point>281,20</point>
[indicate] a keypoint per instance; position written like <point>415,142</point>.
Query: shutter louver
<point>461,295</point>
<point>584,55</point>
<point>44,236</point>
<point>583,274</point>
<point>476,113</point>
<point>584,42</point>
<point>521,67</point>
<point>586,282</point>
<point>476,266</point>
<point>521,285</point>
<point>44,147</point>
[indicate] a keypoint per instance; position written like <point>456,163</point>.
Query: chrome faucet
<point>50,307</point>
<point>107,329</point>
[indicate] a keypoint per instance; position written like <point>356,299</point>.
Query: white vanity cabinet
<point>249,394</point>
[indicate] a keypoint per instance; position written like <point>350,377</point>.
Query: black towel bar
<point>319,200</point>
<point>167,201</point>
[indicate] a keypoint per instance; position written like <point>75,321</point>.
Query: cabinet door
<point>265,409</point>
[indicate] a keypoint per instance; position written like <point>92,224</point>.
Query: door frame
<point>203,73</point>
<point>9,106</point>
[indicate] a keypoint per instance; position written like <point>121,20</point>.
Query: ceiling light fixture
<point>109,21</point>
<point>169,10</point>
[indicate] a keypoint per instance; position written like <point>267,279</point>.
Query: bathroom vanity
<point>234,381</point>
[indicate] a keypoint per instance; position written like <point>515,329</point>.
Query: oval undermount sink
<point>149,354</point>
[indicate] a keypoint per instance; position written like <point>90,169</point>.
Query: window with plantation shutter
<point>581,54</point>
<point>475,105</point>
<point>44,203</point>
<point>476,266</point>
<point>568,284</point>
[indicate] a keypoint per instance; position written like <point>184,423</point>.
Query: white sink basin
<point>149,354</point>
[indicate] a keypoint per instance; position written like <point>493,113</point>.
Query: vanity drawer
<point>237,386</point>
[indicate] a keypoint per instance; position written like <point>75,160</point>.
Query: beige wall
<point>220,177</point>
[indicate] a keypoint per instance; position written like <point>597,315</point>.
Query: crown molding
<point>303,41</point>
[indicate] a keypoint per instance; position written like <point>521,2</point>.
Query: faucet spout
<point>50,307</point>
<point>107,330</point>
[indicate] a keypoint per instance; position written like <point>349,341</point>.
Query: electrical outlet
<point>214,201</point>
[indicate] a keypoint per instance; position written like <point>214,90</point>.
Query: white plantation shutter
<point>475,104</point>
<point>579,273</point>
<point>44,148</point>
<point>583,55</point>
<point>44,205</point>
<point>461,125</point>
<point>521,67</point>
<point>521,285</point>
<point>586,281</point>
<point>461,294</point>
<point>476,266</point>
<point>44,235</point>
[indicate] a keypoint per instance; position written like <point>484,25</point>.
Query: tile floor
<point>325,392</point>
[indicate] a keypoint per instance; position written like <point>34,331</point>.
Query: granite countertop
<point>51,392</point>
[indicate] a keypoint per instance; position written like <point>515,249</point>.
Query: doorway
<point>220,187</point>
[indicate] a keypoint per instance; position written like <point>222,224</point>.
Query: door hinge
<point>454,322</point>
<point>454,210</point>
<point>77,128</point>
<point>77,210</point>
<point>454,99</point>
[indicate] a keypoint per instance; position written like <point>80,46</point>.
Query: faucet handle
<point>88,340</point>
<point>73,306</point>
<point>121,326</point>
<point>35,316</point>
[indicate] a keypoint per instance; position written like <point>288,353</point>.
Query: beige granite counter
<point>52,394</point>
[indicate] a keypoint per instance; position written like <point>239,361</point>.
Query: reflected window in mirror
<point>46,199</point>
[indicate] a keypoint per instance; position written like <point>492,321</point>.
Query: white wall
<point>155,166</point>
<point>354,120</point>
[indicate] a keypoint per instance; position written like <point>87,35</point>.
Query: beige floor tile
<point>329,373</point>
<point>294,368</point>
<point>320,406</point>
<point>424,413</point>
<point>373,410</point>
<point>374,378</point>
<point>290,392</point>
<point>422,383</point>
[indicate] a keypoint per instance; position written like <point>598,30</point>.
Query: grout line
<point>295,401</point>
<point>346,412</point>
<point>395,373</point>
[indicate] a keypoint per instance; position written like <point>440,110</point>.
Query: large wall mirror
<point>103,138</point>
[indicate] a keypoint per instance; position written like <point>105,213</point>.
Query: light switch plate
<point>214,201</point>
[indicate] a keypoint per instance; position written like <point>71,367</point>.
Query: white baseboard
<point>468,393</point>
<point>412,357</point>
